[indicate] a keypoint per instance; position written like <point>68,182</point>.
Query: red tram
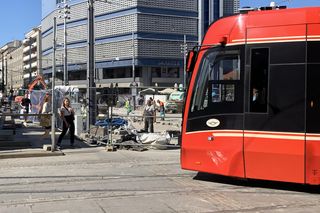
<point>253,102</point>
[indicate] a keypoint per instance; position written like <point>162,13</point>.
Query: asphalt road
<point>94,180</point>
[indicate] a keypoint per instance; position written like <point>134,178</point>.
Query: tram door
<point>274,138</point>
<point>313,109</point>
<point>313,100</point>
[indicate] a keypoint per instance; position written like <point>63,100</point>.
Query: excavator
<point>37,82</point>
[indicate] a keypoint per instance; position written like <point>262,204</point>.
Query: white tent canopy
<point>167,91</point>
<point>67,88</point>
<point>148,91</point>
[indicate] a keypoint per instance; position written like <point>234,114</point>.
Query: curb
<point>29,154</point>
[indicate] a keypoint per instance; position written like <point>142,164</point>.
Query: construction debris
<point>121,134</point>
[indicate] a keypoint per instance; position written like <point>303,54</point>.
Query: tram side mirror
<point>223,41</point>
<point>191,62</point>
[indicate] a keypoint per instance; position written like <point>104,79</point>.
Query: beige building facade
<point>15,69</point>
<point>5,52</point>
<point>31,55</point>
<point>21,61</point>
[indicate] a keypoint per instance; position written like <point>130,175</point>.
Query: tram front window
<point>216,81</point>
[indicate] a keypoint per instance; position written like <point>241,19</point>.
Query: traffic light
<point>184,48</point>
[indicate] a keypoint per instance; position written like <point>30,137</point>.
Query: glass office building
<point>150,33</point>
<point>211,10</point>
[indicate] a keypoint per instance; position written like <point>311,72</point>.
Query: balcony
<point>33,65</point>
<point>27,48</point>
<point>26,58</point>
<point>33,74</point>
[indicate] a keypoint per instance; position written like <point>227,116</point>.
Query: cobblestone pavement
<point>91,179</point>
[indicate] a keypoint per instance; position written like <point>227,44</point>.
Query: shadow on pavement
<point>29,142</point>
<point>257,183</point>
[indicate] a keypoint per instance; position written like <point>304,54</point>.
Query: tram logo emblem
<point>213,122</point>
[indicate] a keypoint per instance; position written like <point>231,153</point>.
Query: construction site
<point>120,121</point>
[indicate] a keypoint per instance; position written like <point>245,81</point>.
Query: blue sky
<point>19,16</point>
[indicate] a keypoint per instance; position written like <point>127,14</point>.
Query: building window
<point>173,72</point>
<point>77,75</point>
<point>156,72</point>
<point>138,72</point>
<point>120,72</point>
<point>165,72</point>
<point>107,73</point>
<point>59,1</point>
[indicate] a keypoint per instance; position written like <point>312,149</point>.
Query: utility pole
<point>65,16</point>
<point>65,69</point>
<point>200,21</point>
<point>11,80</point>
<point>91,90</point>
<point>184,51</point>
<point>53,104</point>
<point>134,85</point>
<point>133,59</point>
<point>6,61</point>
<point>2,71</point>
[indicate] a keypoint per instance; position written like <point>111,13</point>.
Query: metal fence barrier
<point>138,119</point>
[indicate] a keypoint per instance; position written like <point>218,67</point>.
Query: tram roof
<point>275,25</point>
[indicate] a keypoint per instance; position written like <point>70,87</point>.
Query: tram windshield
<point>216,81</point>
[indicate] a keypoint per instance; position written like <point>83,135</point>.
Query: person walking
<point>148,114</point>
<point>128,106</point>
<point>161,109</point>
<point>67,116</point>
<point>10,99</point>
<point>45,119</point>
<point>26,105</point>
<point>154,107</point>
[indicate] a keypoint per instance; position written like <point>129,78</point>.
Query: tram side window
<point>259,79</point>
<point>223,93</point>
<point>216,80</point>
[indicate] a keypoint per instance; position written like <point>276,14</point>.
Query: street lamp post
<point>200,20</point>
<point>65,16</point>
<point>184,51</point>
<point>11,74</point>
<point>65,70</point>
<point>11,81</point>
<point>133,59</point>
<point>53,104</point>
<point>134,86</point>
<point>91,90</point>
<point>6,62</point>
